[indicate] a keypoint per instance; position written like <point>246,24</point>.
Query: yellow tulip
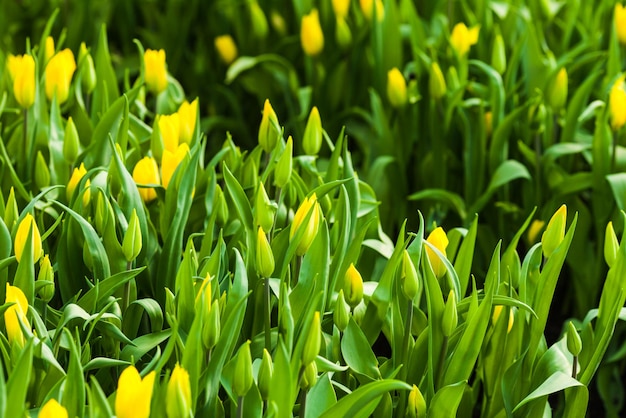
<point>533,231</point>
<point>22,71</point>
<point>353,286</point>
<point>416,405</point>
<point>49,49</point>
<point>155,70</point>
<point>436,83</point>
<point>396,88</point>
<point>146,171</point>
<point>134,394</point>
<point>497,310</point>
<point>557,93</point>
<point>620,22</point>
<point>170,161</point>
<point>617,104</point>
<point>28,224</point>
<point>59,72</point>
<point>439,239</point>
<point>308,205</point>
<point>555,231</point>
<point>226,48</point>
<point>53,409</point>
<point>463,38</point>
<point>367,7</point>
<point>187,115</point>
<point>13,312</point>
<point>269,131</point>
<point>341,8</point>
<point>311,35</point>
<point>169,126</point>
<point>76,177</point>
<point>178,395</point>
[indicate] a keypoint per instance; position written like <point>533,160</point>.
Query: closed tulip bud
<point>249,174</point>
<point>617,104</point>
<point>574,343</point>
<point>284,166</point>
<point>46,279</point>
<point>343,35</point>
<point>620,22</point>
<point>313,134</point>
<point>533,231</point>
<point>49,49</point>
<point>211,328</point>
<point>155,70</point>
<point>104,213</point>
<point>59,72</point>
<point>242,380</point>
<point>416,405</point>
<point>555,231</point>
<point>439,239</point>
<point>269,131</point>
<point>313,341</point>
<point>436,83</point>
<point>226,48</point>
<point>450,318</point>
<point>488,123</point>
<point>341,8</point>
<point>309,377</point>
<point>42,173</point>
<point>308,205</point>
<point>278,23</point>
<point>264,210</point>
<point>11,212</point>
<point>371,7</point>
<point>22,72</point>
<point>146,171</point>
<point>396,88</point>
<point>353,286</point>
<point>170,304</point>
<point>410,282</point>
<point>14,314</point>
<point>498,54</point>
<point>88,76</point>
<point>266,370</point>
<point>71,142</point>
<point>311,35</point>
<point>611,245</point>
<point>171,161</point>
<point>53,409</point>
<point>134,394</point>
<point>264,255</point>
<point>497,311</point>
<point>131,245</point>
<point>76,177</point>
<point>178,394</point>
<point>28,226</point>
<point>463,38</point>
<point>557,94</point>
<point>220,206</point>
<point>285,318</point>
<point>169,127</point>
<point>259,21</point>
<point>187,117</point>
<point>341,313</point>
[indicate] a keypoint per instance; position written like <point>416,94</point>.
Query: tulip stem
<point>575,367</point>
<point>303,394</point>
<point>442,359</point>
<point>24,149</point>
<point>240,407</point>
<point>126,300</point>
<point>614,156</point>
<point>268,335</point>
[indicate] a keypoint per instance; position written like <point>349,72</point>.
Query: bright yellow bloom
<point>416,405</point>
<point>49,49</point>
<point>22,72</point>
<point>178,396</point>
<point>11,315</point>
<point>308,205</point>
<point>155,70</point>
<point>396,88</point>
<point>76,177</point>
<point>28,224</point>
<point>367,7</point>
<point>533,231</point>
<point>170,161</point>
<point>311,35</point>
<point>617,104</point>
<point>146,171</point>
<point>53,409</point>
<point>187,115</point>
<point>226,48</point>
<point>497,310</point>
<point>59,72</point>
<point>439,239</point>
<point>557,95</point>
<point>353,286</point>
<point>133,396</point>
<point>169,126</point>
<point>269,129</point>
<point>341,8</point>
<point>620,22</point>
<point>463,38</point>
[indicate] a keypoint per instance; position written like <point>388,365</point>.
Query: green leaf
<point>505,173</point>
<point>19,379</point>
<point>105,288</point>
<point>357,352</point>
<point>320,397</point>
<point>444,196</point>
<point>555,383</point>
<point>446,401</point>
<point>355,403</point>
<point>73,387</point>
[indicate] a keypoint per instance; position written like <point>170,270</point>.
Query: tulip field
<point>312,208</point>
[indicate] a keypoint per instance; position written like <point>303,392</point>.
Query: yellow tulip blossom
<point>463,38</point>
<point>341,8</point>
<point>396,88</point>
<point>617,104</point>
<point>49,49</point>
<point>439,239</point>
<point>22,71</point>
<point>134,394</point>
<point>15,313</point>
<point>170,161</point>
<point>155,70</point>
<point>59,72</point>
<point>353,286</point>
<point>53,409</point>
<point>620,22</point>
<point>226,48</point>
<point>178,394</point>
<point>146,171</point>
<point>28,224</point>
<point>367,7</point>
<point>187,115</point>
<point>76,177</point>
<point>169,126</point>
<point>308,205</point>
<point>311,35</point>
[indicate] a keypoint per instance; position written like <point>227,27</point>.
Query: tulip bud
<point>178,395</point>
<point>574,343</point>
<point>285,318</point>
<point>187,118</point>
<point>497,310</point>
<point>353,286</point>
<point>416,405</point>
<point>249,174</point>
<point>533,231</point>
<point>133,396</point>
<point>263,209</point>
<point>308,205</point>
<point>171,161</point>
<point>450,318</point>
<point>155,70</point>
<point>226,48</point>
<point>42,173</point>
<point>11,212</point>
<point>312,141</point>
<point>463,38</point>
<point>343,35</point>
<point>131,245</point>
<point>620,22</point>
<point>265,375</point>
<point>88,76</point>
<point>309,377</point>
<point>369,7</point>
<point>436,83</point>
<point>396,88</point>
<point>169,127</point>
<point>242,379</point>
<point>170,303</point>
<point>14,314</point>
<point>22,71</point>
<point>146,172</point>
<point>557,95</point>
<point>264,255</point>
<point>313,341</point>
<point>439,239</point>
<point>488,123</point>
<point>617,104</point>
<point>341,313</point>
<point>28,226</point>
<point>53,409</point>
<point>211,327</point>
<point>220,206</point>
<point>76,177</point>
<point>259,21</point>
<point>284,166</point>
<point>71,142</point>
<point>555,231</point>
<point>278,23</point>
<point>410,282</point>
<point>498,54</point>
<point>46,279</point>
<point>49,49</point>
<point>611,245</point>
<point>269,131</point>
<point>311,35</point>
<point>341,8</point>
<point>59,72</point>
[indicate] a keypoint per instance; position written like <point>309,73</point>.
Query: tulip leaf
<point>554,383</point>
<point>447,399</point>
<point>357,353</point>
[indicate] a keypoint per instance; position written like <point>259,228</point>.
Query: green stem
<point>24,149</point>
<point>126,299</point>
<point>405,354</point>
<point>240,407</point>
<point>614,156</point>
<point>442,359</point>
<point>575,367</point>
<point>268,335</point>
<point>303,394</point>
